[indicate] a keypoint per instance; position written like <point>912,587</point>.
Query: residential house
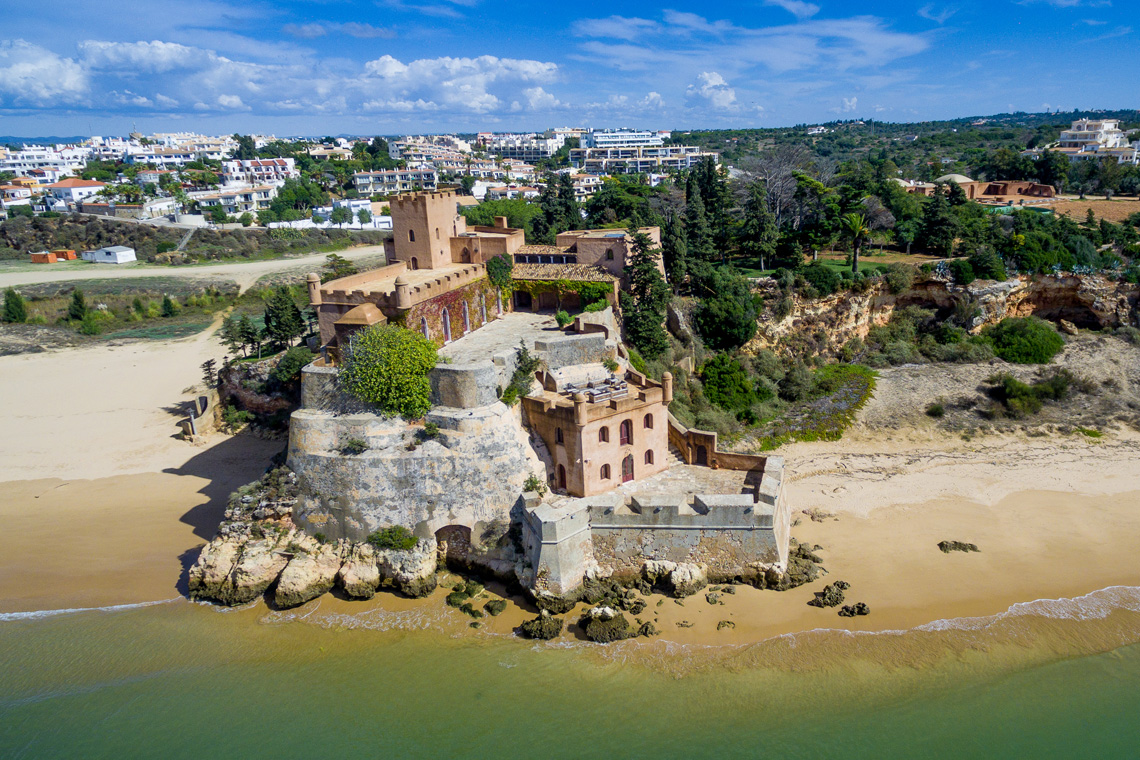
<point>262,171</point>
<point>73,190</point>
<point>239,201</point>
<point>395,181</point>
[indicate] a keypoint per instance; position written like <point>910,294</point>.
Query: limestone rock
<point>831,596</point>
<point>212,570</point>
<point>679,579</point>
<point>309,574</point>
<point>261,562</point>
<point>359,576</point>
<point>602,613</point>
<point>1067,327</point>
<point>411,571</point>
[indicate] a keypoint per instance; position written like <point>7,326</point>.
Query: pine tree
<point>15,310</point>
<point>248,332</point>
<point>283,320</point>
<point>697,232</point>
<point>758,234</point>
<point>77,309</point>
<point>939,227</point>
<point>230,333</point>
<point>169,308</point>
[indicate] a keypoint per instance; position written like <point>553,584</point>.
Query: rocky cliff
<point>825,324</point>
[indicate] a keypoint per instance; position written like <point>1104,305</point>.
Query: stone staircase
<point>673,458</point>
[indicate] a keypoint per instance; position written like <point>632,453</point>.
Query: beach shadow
<point>187,558</point>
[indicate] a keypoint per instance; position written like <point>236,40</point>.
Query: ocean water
<point>176,679</point>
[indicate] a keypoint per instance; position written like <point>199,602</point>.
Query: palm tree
<point>855,227</point>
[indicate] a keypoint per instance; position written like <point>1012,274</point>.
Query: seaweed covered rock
<point>545,626</point>
<point>831,596</point>
<point>647,629</point>
<point>851,610</point>
<point>957,546</point>
<point>605,624</point>
<point>804,566</point>
<point>311,571</point>
<point>495,607</point>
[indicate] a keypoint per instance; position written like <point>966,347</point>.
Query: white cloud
<point>712,87</point>
<point>797,8</point>
<point>616,27</point>
<point>939,17</point>
<point>540,99</point>
<point>457,83</point>
<point>230,101</point>
<point>305,31</point>
<point>652,100</point>
<point>351,28</point>
<point>849,105</point>
<point>32,75</point>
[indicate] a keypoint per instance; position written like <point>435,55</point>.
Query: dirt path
<point>244,274</point>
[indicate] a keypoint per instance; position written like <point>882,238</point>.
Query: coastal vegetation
<point>388,366</point>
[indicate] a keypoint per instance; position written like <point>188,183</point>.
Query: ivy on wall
<point>589,292</point>
<point>474,294</point>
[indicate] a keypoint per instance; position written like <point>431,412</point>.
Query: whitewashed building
<point>112,254</point>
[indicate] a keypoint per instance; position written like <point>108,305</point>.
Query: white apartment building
<point>638,160</point>
<point>106,148</point>
<point>55,162</point>
<point>73,190</point>
<point>251,199</point>
<point>510,192</point>
<point>161,158</point>
<point>260,171</point>
<point>624,138</point>
<point>526,147</point>
<point>395,181</point>
<point>1093,138</point>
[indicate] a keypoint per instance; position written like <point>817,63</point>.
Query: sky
<point>71,67</point>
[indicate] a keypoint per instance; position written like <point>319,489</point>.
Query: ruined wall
<point>470,475</point>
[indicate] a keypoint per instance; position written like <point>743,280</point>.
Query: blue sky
<point>393,66</point>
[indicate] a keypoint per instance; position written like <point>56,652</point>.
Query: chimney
<point>501,222</point>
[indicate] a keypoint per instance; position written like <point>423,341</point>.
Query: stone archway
<point>454,545</point>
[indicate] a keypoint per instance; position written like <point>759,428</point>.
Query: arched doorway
<point>561,478</point>
<point>627,469</point>
<point>466,258</point>
<point>454,545</point>
<point>523,299</point>
<point>424,328</point>
<point>466,318</point>
<point>415,263</point>
<point>702,456</point>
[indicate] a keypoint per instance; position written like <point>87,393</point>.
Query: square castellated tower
<point>423,225</point>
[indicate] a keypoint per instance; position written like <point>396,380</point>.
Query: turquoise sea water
<point>181,680</point>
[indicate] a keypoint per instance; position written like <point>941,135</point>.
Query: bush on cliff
<point>395,537</point>
<point>1024,340</point>
<point>289,366</point>
<point>388,366</point>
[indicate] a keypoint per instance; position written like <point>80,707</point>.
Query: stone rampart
<point>570,350</point>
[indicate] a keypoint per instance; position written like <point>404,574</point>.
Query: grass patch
<point>1090,433</point>
<point>162,331</point>
<point>839,392</point>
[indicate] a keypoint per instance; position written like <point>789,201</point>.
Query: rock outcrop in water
<point>957,546</point>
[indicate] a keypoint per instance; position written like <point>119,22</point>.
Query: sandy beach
<point>105,506</point>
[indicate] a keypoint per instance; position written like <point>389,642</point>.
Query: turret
<point>314,283</point>
<point>580,409</point>
<point>667,387</point>
<point>403,294</point>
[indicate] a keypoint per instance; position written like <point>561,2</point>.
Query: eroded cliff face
<point>825,324</point>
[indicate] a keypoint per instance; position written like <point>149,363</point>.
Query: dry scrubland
<point>1115,211</point>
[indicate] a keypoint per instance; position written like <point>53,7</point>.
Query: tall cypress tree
<point>644,300</point>
<point>283,320</point>
<point>758,234</point>
<point>938,227</point>
<point>674,249</point>
<point>697,232</point>
<point>77,309</point>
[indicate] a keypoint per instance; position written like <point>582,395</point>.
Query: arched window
<point>446,318</point>
<point>562,477</point>
<point>649,421</point>
<point>609,254</point>
<point>558,435</point>
<point>626,432</point>
<point>424,327</point>
<point>466,318</point>
<point>411,236</point>
<point>605,472</point>
<point>649,456</point>
<point>415,263</point>
<point>483,309</point>
<point>604,435</point>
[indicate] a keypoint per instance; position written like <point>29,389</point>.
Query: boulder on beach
<point>310,573</point>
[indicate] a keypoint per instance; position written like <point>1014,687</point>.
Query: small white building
<point>73,190</point>
<point>112,254</point>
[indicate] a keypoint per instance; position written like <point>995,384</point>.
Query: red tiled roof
<point>73,182</point>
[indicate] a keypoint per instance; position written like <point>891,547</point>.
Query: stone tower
<point>422,227</point>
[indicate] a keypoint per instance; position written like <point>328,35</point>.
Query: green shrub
<point>899,277</point>
<point>936,410</point>
<point>987,265</point>
<point>823,278</point>
<point>395,537</point>
<point>535,484</point>
<point>288,367</point>
<point>610,365</point>
<point>523,378</point>
<point>388,366</point>
<point>234,418</point>
<point>169,308</point>
<point>353,446</point>
<point>92,324</point>
<point>431,430</point>
<point>596,306</point>
<point>726,384</point>
<point>563,318</point>
<point>962,272</point>
<point>15,308</point>
<point>1024,340</point>
<point>636,361</point>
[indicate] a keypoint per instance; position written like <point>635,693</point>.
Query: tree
<point>283,320</point>
<point>726,383</point>
<point>248,333</point>
<point>218,215</point>
<point>643,302</point>
<point>938,227</point>
<point>231,335</point>
<point>337,267</point>
<point>388,366</point>
<point>466,184</point>
<point>855,228</point>
<point>726,316</point>
<point>209,373</point>
<point>340,215</point>
<point>15,310</point>
<point>169,308</point>
<point>246,149</point>
<point>674,249</point>
<point>77,309</point>
<point>364,216</point>
<point>698,235</point>
<point>246,219</point>
<point>758,234</point>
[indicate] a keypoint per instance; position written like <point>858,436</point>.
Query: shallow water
<point>177,679</point>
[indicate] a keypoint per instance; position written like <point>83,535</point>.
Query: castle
<point>626,482</point>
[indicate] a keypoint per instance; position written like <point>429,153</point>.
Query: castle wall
<point>482,305</point>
